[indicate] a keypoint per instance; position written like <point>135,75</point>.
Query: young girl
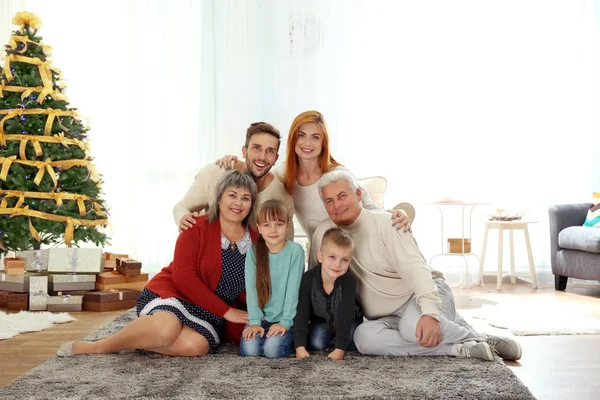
<point>274,270</point>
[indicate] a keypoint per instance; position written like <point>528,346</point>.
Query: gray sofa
<point>575,248</point>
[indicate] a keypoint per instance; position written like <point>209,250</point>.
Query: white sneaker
<point>480,350</point>
<point>506,347</point>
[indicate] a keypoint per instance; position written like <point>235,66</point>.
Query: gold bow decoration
<point>6,163</point>
<point>12,193</point>
<point>62,139</point>
<point>51,115</point>
<point>80,203</point>
<point>21,39</point>
<point>9,114</point>
<point>43,167</point>
<point>6,67</point>
<point>23,18</point>
<point>23,146</point>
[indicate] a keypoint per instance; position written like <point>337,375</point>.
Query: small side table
<point>465,206</point>
<point>508,226</point>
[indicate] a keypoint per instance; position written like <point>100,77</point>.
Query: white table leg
<point>500,251</point>
<point>530,256</point>
<point>485,237</point>
<point>513,278</point>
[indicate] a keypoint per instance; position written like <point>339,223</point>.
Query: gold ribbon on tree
<point>35,111</point>
<point>57,197</point>
<point>58,138</point>
<point>42,166</point>
<point>70,222</point>
<point>45,75</point>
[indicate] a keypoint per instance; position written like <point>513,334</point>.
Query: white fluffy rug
<point>533,319</point>
<point>27,321</point>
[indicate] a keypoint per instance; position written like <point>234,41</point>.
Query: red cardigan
<point>196,269</point>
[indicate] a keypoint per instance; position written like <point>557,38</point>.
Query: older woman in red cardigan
<point>184,308</point>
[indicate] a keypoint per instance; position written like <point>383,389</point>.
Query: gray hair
<point>233,179</point>
<point>338,174</point>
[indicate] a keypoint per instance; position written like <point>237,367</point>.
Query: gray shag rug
<point>227,375</point>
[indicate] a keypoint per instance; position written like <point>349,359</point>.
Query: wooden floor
<point>552,367</point>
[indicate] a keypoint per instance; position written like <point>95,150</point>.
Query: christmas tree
<point>49,189</point>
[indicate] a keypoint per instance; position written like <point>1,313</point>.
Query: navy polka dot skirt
<point>230,286</point>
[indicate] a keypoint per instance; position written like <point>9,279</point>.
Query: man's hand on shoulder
<point>187,221</point>
<point>429,333</point>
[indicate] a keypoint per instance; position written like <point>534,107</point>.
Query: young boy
<point>327,311</point>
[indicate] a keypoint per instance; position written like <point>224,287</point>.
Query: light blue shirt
<point>285,269</point>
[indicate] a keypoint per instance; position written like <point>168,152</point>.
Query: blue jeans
<point>320,338</point>
<point>272,347</point>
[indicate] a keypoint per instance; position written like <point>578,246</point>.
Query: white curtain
<point>467,99</point>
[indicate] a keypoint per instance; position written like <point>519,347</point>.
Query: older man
<point>409,307</point>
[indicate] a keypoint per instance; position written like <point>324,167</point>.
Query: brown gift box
<point>111,306</point>
<point>130,285</point>
<point>17,301</point>
<point>14,266</point>
<point>18,305</point>
<point>129,271</point>
<point>110,259</point>
<point>114,278</point>
<point>455,245</point>
<point>68,292</point>
<point>111,295</point>
<point>129,266</point>
<point>4,298</point>
<point>64,307</point>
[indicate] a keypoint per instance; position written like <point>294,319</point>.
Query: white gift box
<point>35,260</point>
<point>75,260</point>
<point>38,293</point>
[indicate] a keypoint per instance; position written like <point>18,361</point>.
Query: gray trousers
<point>395,335</point>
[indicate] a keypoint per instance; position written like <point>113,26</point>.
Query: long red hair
<point>326,161</point>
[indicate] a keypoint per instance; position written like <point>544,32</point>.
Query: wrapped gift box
<point>74,260</point>
<point>110,278</point>
<point>110,300</point>
<point>65,303</point>
<point>65,307</point>
<point>129,285</point>
<point>35,260</point>
<point>68,292</point>
<point>17,301</point>
<point>129,266</point>
<point>14,266</point>
<point>38,293</point>
<point>110,259</point>
<point>4,298</point>
<point>58,282</point>
<point>15,283</point>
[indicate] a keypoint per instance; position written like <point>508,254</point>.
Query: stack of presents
<point>70,279</point>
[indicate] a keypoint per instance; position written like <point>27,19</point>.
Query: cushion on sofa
<point>581,238</point>
<point>593,215</point>
<point>375,186</point>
